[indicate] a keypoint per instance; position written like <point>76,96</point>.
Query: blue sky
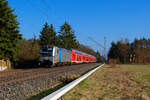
<point>114,19</point>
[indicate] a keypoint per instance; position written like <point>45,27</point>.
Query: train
<point>54,56</point>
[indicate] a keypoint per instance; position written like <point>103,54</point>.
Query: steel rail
<point>17,79</point>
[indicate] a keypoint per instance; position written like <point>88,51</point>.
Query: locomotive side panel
<point>65,55</point>
<point>62,55</point>
<point>69,56</point>
<point>59,52</point>
<point>56,55</point>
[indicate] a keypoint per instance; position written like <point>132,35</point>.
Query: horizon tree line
<point>125,52</point>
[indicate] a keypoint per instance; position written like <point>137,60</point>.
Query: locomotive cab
<point>46,55</point>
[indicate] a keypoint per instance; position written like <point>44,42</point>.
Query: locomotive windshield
<point>46,51</point>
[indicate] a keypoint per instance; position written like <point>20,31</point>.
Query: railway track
<point>9,78</point>
<point>38,70</point>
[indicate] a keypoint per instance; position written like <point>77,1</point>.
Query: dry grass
<point>69,78</point>
<point>124,82</point>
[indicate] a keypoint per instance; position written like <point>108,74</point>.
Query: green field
<point>120,82</point>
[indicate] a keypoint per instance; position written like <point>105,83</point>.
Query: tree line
<point>65,38</point>
<point>15,48</point>
<point>137,51</point>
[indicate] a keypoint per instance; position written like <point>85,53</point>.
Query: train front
<point>46,56</point>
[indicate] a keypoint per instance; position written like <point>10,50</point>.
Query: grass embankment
<point>121,82</point>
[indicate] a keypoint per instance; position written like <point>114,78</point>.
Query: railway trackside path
<point>119,82</point>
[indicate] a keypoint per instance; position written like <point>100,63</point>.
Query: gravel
<point>25,89</point>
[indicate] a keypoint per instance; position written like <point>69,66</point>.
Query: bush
<point>69,78</point>
<point>29,52</point>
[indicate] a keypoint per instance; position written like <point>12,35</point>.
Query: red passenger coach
<point>87,58</point>
<point>73,56</point>
<point>81,57</point>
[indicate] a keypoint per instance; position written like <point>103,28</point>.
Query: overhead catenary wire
<point>104,47</point>
<point>49,8</point>
<point>46,4</point>
<point>37,8</point>
<point>95,42</point>
<point>52,9</point>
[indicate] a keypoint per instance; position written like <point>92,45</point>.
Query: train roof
<point>79,52</point>
<point>48,46</point>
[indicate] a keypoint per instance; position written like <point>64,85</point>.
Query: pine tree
<point>48,35</point>
<point>44,35</point>
<point>113,52</point>
<point>9,32</point>
<point>67,37</point>
<point>99,57</point>
<point>53,37</point>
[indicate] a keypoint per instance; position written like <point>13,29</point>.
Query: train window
<point>78,58</point>
<point>45,54</point>
<point>74,55</point>
<point>47,49</point>
<point>83,58</point>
